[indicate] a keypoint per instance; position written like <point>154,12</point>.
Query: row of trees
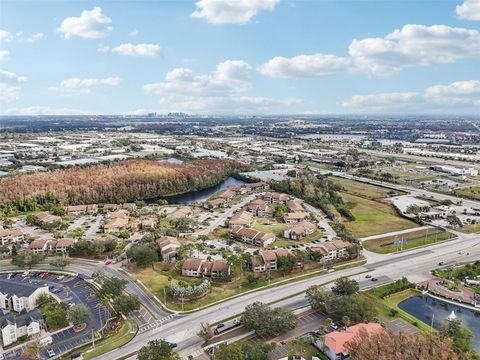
<point>118,182</point>
<point>112,291</point>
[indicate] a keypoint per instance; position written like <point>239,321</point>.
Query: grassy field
<point>468,193</point>
<point>470,229</point>
<point>413,239</point>
<point>374,217</point>
<point>270,225</point>
<point>160,277</point>
<point>364,190</point>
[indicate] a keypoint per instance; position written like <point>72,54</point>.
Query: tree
<point>345,286</point>
<point>60,262</point>
<point>279,210</point>
<point>157,350</point>
<point>257,350</point>
<point>205,332</point>
<point>32,350</point>
<point>125,304</point>
<point>386,345</point>
<point>143,255</point>
<point>355,307</point>
<point>318,297</point>
<point>27,260</point>
<point>230,352</point>
<point>461,337</point>
<point>78,314</point>
<point>268,321</point>
<point>55,314</point>
<point>110,286</point>
<point>246,351</point>
<point>286,263</point>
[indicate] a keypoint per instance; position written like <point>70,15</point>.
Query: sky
<point>240,57</point>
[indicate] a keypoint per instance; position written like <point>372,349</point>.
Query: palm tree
<point>346,321</point>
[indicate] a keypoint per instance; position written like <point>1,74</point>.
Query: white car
<point>50,353</point>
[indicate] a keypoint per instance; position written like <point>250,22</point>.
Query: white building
<point>12,326</point>
<point>17,297</point>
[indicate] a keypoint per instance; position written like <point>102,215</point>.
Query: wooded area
<point>118,182</point>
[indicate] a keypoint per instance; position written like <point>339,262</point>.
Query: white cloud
<point>103,49</point>
<point>469,10</point>
<point>133,33</point>
<point>35,37</point>
<point>230,76</point>
<point>414,45</point>
<point>461,95</point>
<point>4,54</point>
<point>305,66</point>
<point>43,110</point>
<point>84,86</point>
<point>458,92</point>
<point>146,50</point>
<point>231,11</point>
<point>10,85</point>
<point>222,91</point>
<point>381,102</point>
<point>5,36</point>
<point>91,24</point>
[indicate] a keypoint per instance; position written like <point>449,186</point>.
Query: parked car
<point>50,352</point>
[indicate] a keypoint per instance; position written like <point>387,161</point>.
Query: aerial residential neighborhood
<point>240,180</point>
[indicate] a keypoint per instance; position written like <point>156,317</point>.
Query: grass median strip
<point>126,333</point>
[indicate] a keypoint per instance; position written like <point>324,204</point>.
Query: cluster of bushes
<point>185,291</point>
<point>395,287</point>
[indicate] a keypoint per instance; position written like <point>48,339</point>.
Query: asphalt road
<point>88,267</point>
<point>414,264</point>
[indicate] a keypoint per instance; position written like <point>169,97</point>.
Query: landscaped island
<point>122,181</point>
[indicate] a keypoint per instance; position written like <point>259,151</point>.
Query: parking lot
<point>70,290</point>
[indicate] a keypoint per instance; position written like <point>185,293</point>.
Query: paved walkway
<point>393,233</point>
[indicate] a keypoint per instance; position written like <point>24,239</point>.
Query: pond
<point>423,308</point>
<point>201,195</point>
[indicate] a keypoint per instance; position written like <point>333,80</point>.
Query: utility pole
<point>165,296</point>
<point>93,340</point>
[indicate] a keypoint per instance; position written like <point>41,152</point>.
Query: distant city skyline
<point>240,57</point>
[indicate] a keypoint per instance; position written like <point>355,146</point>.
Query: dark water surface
<point>423,308</point>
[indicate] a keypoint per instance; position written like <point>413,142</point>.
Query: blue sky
<point>240,57</point>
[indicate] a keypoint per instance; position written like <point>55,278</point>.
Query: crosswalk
<point>198,354</point>
<point>155,324</point>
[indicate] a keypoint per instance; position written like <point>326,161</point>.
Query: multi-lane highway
<point>415,264</point>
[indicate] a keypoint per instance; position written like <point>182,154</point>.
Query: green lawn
<point>126,333</point>
<point>413,239</point>
<point>391,302</point>
<point>158,278</point>
<point>270,225</point>
<point>469,193</point>
<point>364,190</point>
<point>373,217</point>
